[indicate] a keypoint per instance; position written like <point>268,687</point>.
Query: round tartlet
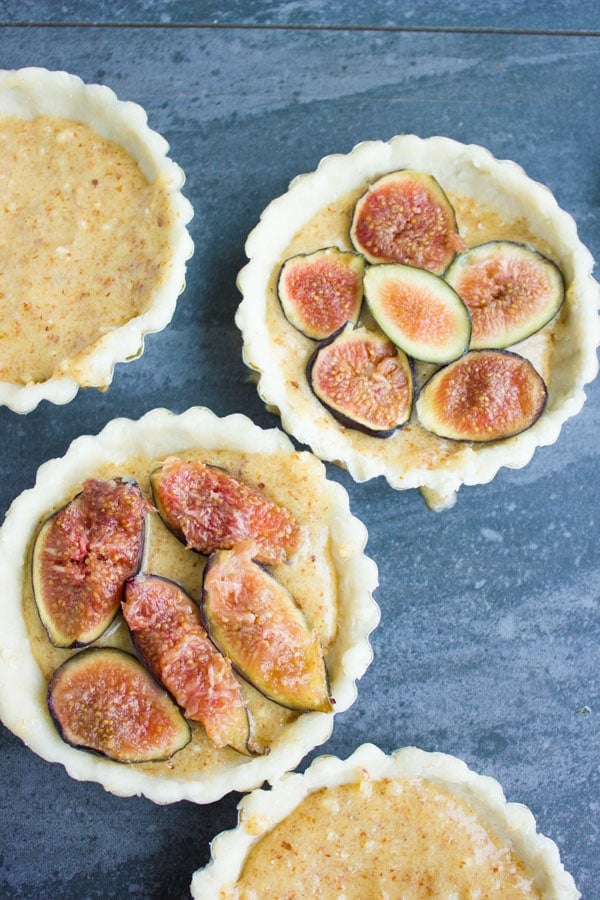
<point>410,824</point>
<point>493,200</point>
<point>333,539</point>
<point>94,242</point>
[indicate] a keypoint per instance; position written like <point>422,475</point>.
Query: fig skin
<point>209,509</point>
<point>470,399</point>
<point>386,370</point>
<point>257,624</point>
<point>82,555</point>
<point>168,634</point>
<point>510,289</point>
<point>419,311</point>
<point>319,292</point>
<point>405,217</point>
<point>88,702</point>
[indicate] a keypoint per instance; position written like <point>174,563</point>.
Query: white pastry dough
<point>93,242</point>
<point>412,824</point>
<point>204,773</point>
<point>492,199</point>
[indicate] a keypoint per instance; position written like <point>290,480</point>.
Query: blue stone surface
<point>488,642</point>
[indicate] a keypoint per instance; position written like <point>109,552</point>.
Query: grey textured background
<point>487,646</point>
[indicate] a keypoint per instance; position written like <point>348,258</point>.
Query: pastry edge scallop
<point>455,165</point>
<point>261,810</point>
<point>22,686</point>
<point>33,91</point>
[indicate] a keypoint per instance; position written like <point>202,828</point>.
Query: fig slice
<point>257,624</point>
<point>81,557</point>
<point>487,395</point>
<point>209,509</point>
<point>364,380</point>
<point>418,311</point>
<point>405,217</point>
<point>319,292</point>
<point>102,699</point>
<point>168,633</point>
<point>511,291</point>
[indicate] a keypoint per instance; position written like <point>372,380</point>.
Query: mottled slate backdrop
<point>488,642</point>
<point>538,15</point>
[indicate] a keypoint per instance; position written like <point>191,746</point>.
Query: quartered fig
<point>486,395</point>
<point>82,555</point>
<point>102,699</point>
<point>321,291</point>
<point>418,311</point>
<point>511,291</point>
<point>209,509</point>
<point>257,624</point>
<point>167,631</point>
<point>364,380</point>
<point>405,217</point>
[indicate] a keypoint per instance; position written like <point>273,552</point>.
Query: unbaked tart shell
<point>475,805</point>
<point>498,201</point>
<point>158,434</point>
<point>31,93</point>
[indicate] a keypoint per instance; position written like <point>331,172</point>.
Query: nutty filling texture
<point>294,480</point>
<point>408,838</point>
<point>330,226</point>
<point>84,238</point>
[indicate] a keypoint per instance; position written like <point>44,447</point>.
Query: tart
<point>479,200</point>
<point>412,824</point>
<point>93,237</point>
<point>325,571</point>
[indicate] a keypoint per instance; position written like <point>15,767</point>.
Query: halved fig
<point>209,509</point>
<point>82,555</point>
<point>319,292</point>
<point>167,632</point>
<point>104,700</point>
<point>487,395</point>
<point>418,311</point>
<point>257,624</point>
<point>364,380</point>
<point>511,291</point>
<point>405,217</point>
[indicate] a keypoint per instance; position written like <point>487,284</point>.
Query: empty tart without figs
<point>411,825</point>
<point>186,606</point>
<point>420,310</point>
<point>93,237</point>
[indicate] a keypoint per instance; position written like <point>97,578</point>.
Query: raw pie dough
<point>493,200</point>
<point>410,825</point>
<point>329,574</point>
<point>93,240</point>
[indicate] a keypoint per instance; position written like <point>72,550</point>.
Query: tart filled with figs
<point>412,824</point>
<point>187,605</point>
<point>93,236</point>
<point>420,310</point>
